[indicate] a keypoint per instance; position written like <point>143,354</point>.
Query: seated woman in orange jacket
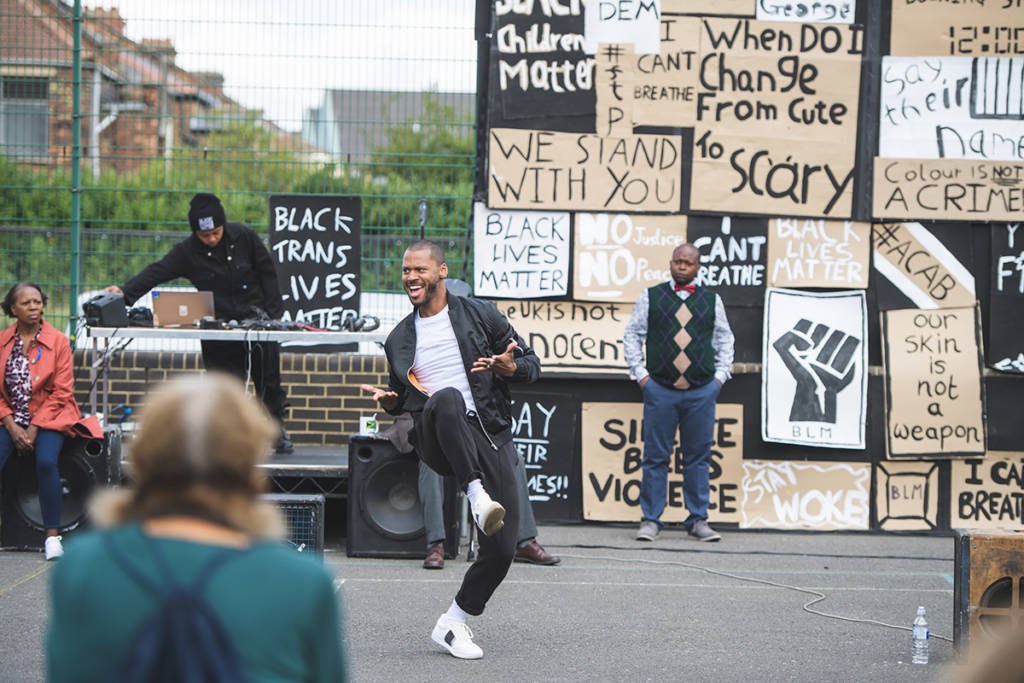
<point>37,406</point>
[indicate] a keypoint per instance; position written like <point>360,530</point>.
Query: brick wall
<point>323,389</point>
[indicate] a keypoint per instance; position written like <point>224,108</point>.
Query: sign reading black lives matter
<point>520,254</point>
<point>544,433</point>
<point>315,242</point>
<point>814,382</point>
<point>1006,306</point>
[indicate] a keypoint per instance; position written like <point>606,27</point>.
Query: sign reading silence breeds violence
<point>934,400</point>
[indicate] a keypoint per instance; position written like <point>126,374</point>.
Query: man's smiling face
<point>422,278</point>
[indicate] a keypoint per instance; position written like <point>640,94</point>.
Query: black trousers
<point>452,443</point>
<point>261,360</point>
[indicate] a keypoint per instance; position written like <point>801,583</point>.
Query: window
<point>24,117</point>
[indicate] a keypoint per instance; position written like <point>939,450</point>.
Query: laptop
<point>181,309</point>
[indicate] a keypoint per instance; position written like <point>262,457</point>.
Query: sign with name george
<point>920,266</point>
<point>940,27</point>
<point>618,255</point>
<point>1006,304</point>
<point>808,11</point>
<point>813,252</point>
<point>733,255</point>
<point>987,493</point>
<point>572,336</point>
<point>612,462</point>
<point>520,254</point>
<point>534,169</point>
<point>933,391</point>
<point>817,496</point>
<point>544,433</point>
<point>315,243</point>
<point>814,379</point>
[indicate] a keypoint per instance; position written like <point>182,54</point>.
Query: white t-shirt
<point>438,363</point>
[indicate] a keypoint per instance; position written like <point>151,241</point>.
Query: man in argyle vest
<point>689,352</point>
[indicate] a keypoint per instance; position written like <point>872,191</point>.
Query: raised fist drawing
<point>822,362</point>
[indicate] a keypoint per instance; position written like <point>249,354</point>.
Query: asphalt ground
<point>758,606</point>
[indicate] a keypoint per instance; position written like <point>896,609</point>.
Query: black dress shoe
<point>533,553</point>
<point>284,443</point>
<point>435,557</point>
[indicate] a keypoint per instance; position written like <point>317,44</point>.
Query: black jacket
<point>481,330</point>
<point>239,272</point>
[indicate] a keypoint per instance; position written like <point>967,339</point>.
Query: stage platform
<point>310,469</point>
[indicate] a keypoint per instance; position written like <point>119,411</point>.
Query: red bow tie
<point>691,288</point>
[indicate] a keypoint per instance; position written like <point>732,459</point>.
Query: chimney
<point>160,46</point>
<point>110,19</point>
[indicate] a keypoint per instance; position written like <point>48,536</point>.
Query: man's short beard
<point>428,294</point>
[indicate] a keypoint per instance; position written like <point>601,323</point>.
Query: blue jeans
<point>48,445</point>
<point>692,412</point>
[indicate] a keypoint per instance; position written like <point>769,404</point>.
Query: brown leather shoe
<point>533,553</point>
<point>435,557</point>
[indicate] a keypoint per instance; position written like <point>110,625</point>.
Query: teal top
<point>278,606</point>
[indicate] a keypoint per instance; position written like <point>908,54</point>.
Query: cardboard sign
<point>629,23</point>
<point>907,495</point>
<point>619,255</point>
<point>921,267</point>
<point>814,374</point>
<point>809,252</point>
<point>808,11</point>
<point>314,240</point>
<point>520,254</point>
<point>951,108</point>
<point>664,86</point>
<point>733,256</point>
<point>948,189</point>
<point>739,8</point>
<point>544,433</point>
<point>532,169</point>
<point>614,89</point>
<point>572,336</point>
<point>934,400</point>
<point>612,459</point>
<point>989,493</point>
<point>805,495</point>
<point>962,28</point>
<point>1006,304</point>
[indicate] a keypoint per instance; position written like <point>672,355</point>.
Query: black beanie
<point>206,212</point>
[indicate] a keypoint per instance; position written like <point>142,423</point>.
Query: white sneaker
<point>53,548</point>
<point>488,515</point>
<point>456,637</point>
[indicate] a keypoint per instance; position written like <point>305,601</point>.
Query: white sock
<point>475,491</point>
<point>456,613</point>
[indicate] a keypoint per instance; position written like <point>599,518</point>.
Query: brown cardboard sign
<point>612,459</point>
<point>614,89</point>
<point>948,189</point>
<point>934,400</point>
<point>812,252</point>
<point>740,8</point>
<point>907,495</point>
<point>572,336</point>
<point>921,267</point>
<point>805,495</point>
<point>961,28</point>
<point>618,255</point>
<point>533,169</point>
<point>987,493</point>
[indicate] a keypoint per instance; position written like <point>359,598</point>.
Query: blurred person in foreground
<point>450,364</point>
<point>194,496</point>
<point>37,404</point>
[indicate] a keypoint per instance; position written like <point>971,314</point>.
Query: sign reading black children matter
<point>314,240</point>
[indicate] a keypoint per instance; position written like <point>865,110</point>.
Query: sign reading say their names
<point>812,252</point>
<point>520,254</point>
<point>987,493</point>
<point>805,495</point>
<point>934,400</point>
<point>617,255</point>
<point>534,169</point>
<point>544,433</point>
<point>315,242</point>
<point>612,461</point>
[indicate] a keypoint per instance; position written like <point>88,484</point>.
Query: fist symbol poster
<point>814,378</point>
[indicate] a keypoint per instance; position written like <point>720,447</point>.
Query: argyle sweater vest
<point>679,351</point>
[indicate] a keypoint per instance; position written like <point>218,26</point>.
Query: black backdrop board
<point>1006,306</point>
<point>545,435</point>
<point>1004,428</point>
<point>314,240</point>
<point>733,256</point>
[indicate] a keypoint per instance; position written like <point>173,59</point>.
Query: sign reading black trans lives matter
<point>314,240</point>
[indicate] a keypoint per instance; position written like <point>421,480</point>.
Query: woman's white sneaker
<point>456,637</point>
<point>53,548</point>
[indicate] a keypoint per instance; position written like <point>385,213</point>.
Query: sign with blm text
<point>1006,305</point>
<point>315,243</point>
<point>612,461</point>
<point>933,391</point>
<point>520,254</point>
<point>544,433</point>
<point>907,495</point>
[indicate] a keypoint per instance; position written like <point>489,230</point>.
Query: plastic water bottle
<point>919,642</point>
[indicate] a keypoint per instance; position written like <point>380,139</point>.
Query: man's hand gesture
<point>388,400</point>
<point>503,364</point>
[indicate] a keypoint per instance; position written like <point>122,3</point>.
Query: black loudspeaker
<point>385,518</point>
<point>83,464</point>
<point>304,519</point>
<point>106,310</point>
<point>988,587</point>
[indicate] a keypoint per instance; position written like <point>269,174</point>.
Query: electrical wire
<point>818,595</point>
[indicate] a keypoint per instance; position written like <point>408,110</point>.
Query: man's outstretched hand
<point>503,364</point>
<point>388,400</point>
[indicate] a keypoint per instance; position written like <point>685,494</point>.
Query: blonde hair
<point>195,452</point>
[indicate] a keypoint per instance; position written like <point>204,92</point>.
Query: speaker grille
<point>390,500</point>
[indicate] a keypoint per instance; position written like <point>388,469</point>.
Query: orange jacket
<point>52,405</point>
